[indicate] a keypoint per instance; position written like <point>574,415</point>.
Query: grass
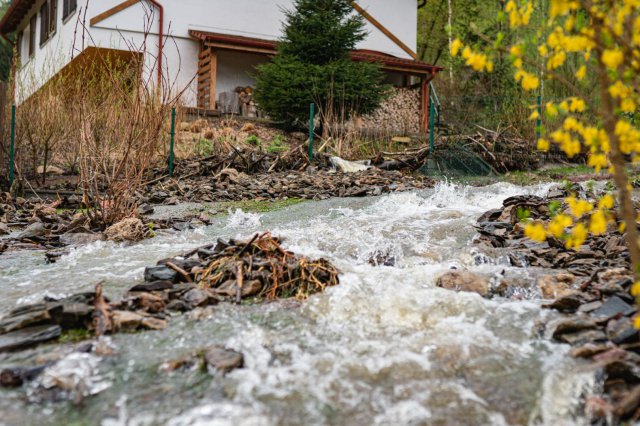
<point>75,335</point>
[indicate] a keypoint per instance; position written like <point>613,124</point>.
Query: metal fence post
<point>173,136</point>
<point>312,114</point>
<point>12,148</point>
<point>432,113</point>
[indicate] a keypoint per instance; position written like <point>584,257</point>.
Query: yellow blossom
<point>598,223</point>
<point>455,47</point>
<point>581,73</point>
<point>558,225</point>
<point>578,207</point>
<point>612,58</point>
<point>606,202</point>
<point>536,232</point>
<point>628,105</point>
<point>577,105</point>
<point>534,115</point>
<point>543,145</point>
<point>578,237</point>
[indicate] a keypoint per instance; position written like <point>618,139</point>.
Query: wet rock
<point>590,307</point>
<point>556,286</point>
<point>152,286</point>
<point>4,229</point>
<point>182,226</point>
<point>589,350</point>
<point>159,273</point>
<point>25,316</point>
<point>29,336</point>
<point>178,305</point>
<point>76,315</point>
<point>219,358</point>
<point>200,314</point>
<point>79,239</point>
<point>618,369</point>
<point>464,281</point>
<point>36,229</point>
<point>145,209</point>
<point>570,325</point>
<point>612,307</point>
<point>127,230</point>
<point>622,331</point>
<point>149,302</point>
<point>569,303</point>
<point>151,323</point>
<point>16,376</point>
<point>126,321</point>
<point>629,404</point>
<point>196,297</point>
<point>582,337</point>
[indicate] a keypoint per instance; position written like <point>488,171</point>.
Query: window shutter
<point>32,35</point>
<point>53,15</point>
<point>44,23</point>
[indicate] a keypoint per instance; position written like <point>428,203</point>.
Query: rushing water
<point>384,347</point>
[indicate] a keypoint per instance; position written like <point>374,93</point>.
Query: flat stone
<point>151,323</point>
<point>36,229</point>
<point>79,239</point>
<point>555,286</point>
<point>612,307</point>
<point>196,297</point>
<point>622,331</point>
<point>150,302</point>
<point>126,321</point>
<point>29,336</point>
<point>569,303</point>
<point>589,350</point>
<point>159,273</point>
<point>582,337</point>
<point>590,307</point>
<point>178,305</point>
<point>223,359</point>
<point>571,325</point>
<point>152,286</point>
<point>464,281</point>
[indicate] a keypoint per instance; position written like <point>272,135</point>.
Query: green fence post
<point>12,148</point>
<point>539,119</point>
<point>432,113</point>
<point>173,136</point>
<point>312,113</point>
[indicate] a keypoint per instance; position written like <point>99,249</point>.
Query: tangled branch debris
<point>260,267</point>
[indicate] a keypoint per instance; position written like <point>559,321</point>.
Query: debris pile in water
<point>259,268</point>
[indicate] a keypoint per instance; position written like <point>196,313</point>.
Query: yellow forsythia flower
<point>534,115</point>
<point>543,145</point>
<point>455,47</point>
<point>536,232</point>
<point>612,58</point>
<point>628,105</point>
<point>581,73</point>
<point>578,207</point>
<point>551,109</point>
<point>577,105</point>
<point>598,223</point>
<point>636,322</point>
<point>606,202</point>
<point>578,237</point>
<point>558,225</point>
<point>635,289</point>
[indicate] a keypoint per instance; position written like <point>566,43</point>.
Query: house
<point>207,48</point>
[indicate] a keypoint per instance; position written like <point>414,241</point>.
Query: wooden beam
<point>384,30</point>
<point>212,82</point>
<point>224,46</point>
<point>109,13</point>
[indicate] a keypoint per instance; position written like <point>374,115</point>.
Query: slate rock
<point>583,336</point>
<point>36,229</point>
<point>612,307</point>
<point>159,273</point>
<point>222,359</point>
<point>622,331</point>
<point>29,336</point>
<point>152,286</point>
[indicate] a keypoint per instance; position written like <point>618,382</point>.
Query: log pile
<point>504,150</point>
<point>400,112</point>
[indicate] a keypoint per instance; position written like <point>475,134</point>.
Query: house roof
<point>257,45</point>
<point>16,12</point>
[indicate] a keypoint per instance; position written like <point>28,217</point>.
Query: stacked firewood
<point>400,112</point>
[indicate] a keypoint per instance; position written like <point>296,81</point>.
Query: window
<point>19,46</point>
<point>32,36</point>
<point>68,7</point>
<point>44,23</point>
<point>48,19</point>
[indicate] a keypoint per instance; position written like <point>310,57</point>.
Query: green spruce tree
<point>313,65</point>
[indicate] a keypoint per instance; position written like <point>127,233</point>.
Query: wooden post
<point>424,104</point>
<point>213,76</point>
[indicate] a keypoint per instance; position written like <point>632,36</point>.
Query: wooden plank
<point>109,13</point>
<point>212,82</point>
<point>384,30</point>
<point>224,46</point>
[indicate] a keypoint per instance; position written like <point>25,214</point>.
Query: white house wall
<point>252,18</point>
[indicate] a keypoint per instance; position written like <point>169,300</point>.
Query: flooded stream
<point>385,347</point>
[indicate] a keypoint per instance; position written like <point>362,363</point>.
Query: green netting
<point>456,162</point>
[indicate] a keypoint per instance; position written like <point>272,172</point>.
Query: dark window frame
<point>44,23</point>
<point>53,16</point>
<point>33,23</point>
<point>68,8</point>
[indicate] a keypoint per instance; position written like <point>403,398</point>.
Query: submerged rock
<point>464,281</point>
<point>219,358</point>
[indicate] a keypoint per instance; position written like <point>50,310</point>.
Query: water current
<point>385,347</point>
